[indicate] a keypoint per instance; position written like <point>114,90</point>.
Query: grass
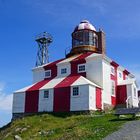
<point>62,126</point>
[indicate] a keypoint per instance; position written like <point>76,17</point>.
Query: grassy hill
<point>61,127</point>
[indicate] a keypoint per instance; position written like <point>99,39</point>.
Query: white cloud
<point>6,102</point>
<point>5,99</point>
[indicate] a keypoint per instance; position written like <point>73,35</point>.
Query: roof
<point>84,24</point>
<point>23,89</point>
<point>71,80</point>
<point>127,82</point>
<point>84,56</point>
<point>84,81</point>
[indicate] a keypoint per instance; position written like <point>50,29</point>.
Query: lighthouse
<point>85,38</point>
<point>85,80</point>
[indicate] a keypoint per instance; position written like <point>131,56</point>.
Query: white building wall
<point>135,99</point>
<point>130,93</point>
<point>94,71</point>
<point>38,74</point>
<point>129,90</point>
<point>45,104</point>
<point>81,102</point>
<point>61,66</point>
<point>119,72</point>
<point>92,97</point>
<point>106,92</point>
<point>18,102</point>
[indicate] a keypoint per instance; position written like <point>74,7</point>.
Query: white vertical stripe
<point>52,83</point>
<point>19,102</point>
<point>46,104</point>
<point>80,102</point>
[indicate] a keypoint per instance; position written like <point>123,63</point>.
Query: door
<point>98,98</point>
<point>61,99</point>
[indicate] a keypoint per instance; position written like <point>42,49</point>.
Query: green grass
<point>62,126</point>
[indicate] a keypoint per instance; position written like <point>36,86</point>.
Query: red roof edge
<point>126,72</point>
<point>113,63</point>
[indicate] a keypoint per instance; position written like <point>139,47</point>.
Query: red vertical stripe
<point>125,73</point>
<point>79,60</point>
<point>98,98</point>
<point>121,94</point>
<point>62,99</point>
<point>32,96</point>
<point>113,100</point>
<point>115,79</point>
<point>62,94</point>
<point>53,67</point>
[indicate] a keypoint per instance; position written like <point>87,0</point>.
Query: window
<point>112,70</point>
<point>81,68</point>
<point>120,75</point>
<point>84,37</point>
<point>64,71</point>
<point>46,94</point>
<point>135,92</point>
<point>75,91</point>
<point>113,88</point>
<point>47,73</point>
<point>126,78</point>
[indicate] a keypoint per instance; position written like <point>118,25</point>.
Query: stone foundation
<point>21,115</point>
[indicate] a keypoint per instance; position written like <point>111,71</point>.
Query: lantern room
<point>85,38</point>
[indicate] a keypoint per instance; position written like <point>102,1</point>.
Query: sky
<point>22,20</point>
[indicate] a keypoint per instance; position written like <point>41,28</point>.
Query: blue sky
<point>22,20</point>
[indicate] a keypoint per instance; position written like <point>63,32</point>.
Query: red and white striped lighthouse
<point>85,80</point>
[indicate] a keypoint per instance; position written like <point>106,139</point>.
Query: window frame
<point>113,88</point>
<point>80,71</point>
<point>135,92</point>
<point>112,70</point>
<point>120,75</point>
<point>46,92</point>
<point>63,69</point>
<point>48,75</point>
<point>74,90</point>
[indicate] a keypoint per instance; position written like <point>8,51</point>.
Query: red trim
<point>115,79</point>
<point>52,66</point>
<point>125,73</point>
<point>139,93</point>
<point>113,100</point>
<point>67,81</point>
<point>113,63</point>
<point>32,96</point>
<point>48,66</point>
<point>38,85</point>
<point>121,94</point>
<point>79,60</point>
<point>62,94</point>
<point>98,98</point>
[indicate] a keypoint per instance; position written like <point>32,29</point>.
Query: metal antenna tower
<point>43,40</point>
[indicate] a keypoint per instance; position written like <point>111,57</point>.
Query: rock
<point>17,129</point>
<point>50,132</point>
<point>23,129</point>
<point>43,133</point>
<point>16,137</point>
<point>28,126</point>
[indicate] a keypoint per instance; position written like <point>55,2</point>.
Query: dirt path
<point>130,131</point>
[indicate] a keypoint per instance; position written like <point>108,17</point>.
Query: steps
<point>127,111</point>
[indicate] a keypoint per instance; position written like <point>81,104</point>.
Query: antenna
<point>43,40</point>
